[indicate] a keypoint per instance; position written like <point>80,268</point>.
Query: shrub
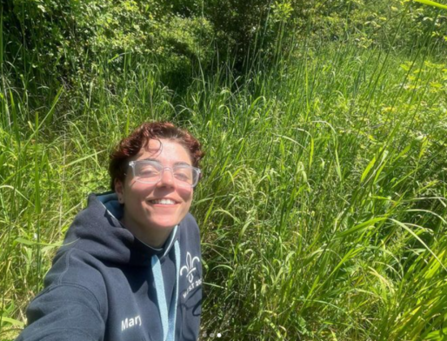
<point>62,40</point>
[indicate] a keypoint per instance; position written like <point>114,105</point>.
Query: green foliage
<point>317,213</point>
<point>64,40</point>
<point>51,42</point>
<point>324,199</point>
<point>323,204</point>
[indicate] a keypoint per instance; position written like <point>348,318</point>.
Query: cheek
<point>136,192</point>
<point>186,194</point>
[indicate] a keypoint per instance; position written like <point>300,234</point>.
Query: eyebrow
<point>180,163</point>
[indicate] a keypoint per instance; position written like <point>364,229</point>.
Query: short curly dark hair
<point>139,138</point>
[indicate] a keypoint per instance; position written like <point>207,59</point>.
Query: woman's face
<point>154,209</point>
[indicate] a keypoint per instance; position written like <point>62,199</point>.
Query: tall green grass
<point>326,216</point>
<point>323,205</point>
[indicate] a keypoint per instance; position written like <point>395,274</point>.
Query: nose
<point>167,178</point>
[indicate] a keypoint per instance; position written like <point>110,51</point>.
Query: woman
<point>130,268</point>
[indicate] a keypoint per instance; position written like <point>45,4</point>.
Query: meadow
<point>324,199</point>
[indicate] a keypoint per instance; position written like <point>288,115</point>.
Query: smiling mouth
<point>163,202</point>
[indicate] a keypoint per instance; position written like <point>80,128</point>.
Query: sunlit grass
<point>323,204</point>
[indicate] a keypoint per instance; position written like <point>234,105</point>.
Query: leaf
<point>13,321</point>
<point>367,169</point>
<point>25,241</point>
<point>420,240</point>
<point>361,226</point>
<point>431,3</point>
<point>28,242</point>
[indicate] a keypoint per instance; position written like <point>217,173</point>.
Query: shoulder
<point>65,312</point>
<point>74,268</point>
<point>189,226</point>
<point>75,265</point>
<point>190,222</point>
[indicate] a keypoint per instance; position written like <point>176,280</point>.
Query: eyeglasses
<point>151,172</point>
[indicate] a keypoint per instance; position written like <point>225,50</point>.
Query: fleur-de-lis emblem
<point>189,267</point>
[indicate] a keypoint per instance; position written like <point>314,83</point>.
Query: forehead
<point>166,151</point>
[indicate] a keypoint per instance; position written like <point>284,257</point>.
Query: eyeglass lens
<point>150,172</point>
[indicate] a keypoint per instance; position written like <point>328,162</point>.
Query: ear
<point>119,190</point>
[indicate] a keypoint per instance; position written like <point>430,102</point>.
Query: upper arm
<point>64,312</point>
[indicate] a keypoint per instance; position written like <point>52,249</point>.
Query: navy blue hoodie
<point>107,285</point>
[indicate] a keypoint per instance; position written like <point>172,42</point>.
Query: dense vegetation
<point>323,206</point>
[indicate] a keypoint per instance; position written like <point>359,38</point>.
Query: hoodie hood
<point>106,238</point>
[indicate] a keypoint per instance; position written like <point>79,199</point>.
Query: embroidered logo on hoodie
<point>189,270</point>
<point>189,267</point>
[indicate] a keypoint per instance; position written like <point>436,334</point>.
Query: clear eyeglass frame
<point>195,171</point>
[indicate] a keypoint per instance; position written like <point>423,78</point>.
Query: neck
<point>152,238</point>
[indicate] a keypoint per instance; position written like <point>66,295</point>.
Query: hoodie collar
<point>98,231</point>
<point>116,212</point>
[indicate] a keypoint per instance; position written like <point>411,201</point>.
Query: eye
<point>183,173</point>
<point>147,170</point>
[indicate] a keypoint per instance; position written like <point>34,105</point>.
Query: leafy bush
<point>55,39</point>
<point>50,41</point>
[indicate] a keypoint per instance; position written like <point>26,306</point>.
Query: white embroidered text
<point>130,322</point>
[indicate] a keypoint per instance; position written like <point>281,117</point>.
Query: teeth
<point>163,201</point>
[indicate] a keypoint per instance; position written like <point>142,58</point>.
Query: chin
<point>163,224</point>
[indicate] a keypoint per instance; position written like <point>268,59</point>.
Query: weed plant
<point>324,199</point>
